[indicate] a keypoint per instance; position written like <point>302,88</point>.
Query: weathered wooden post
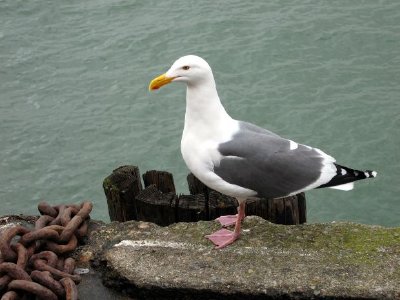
<point>164,181</point>
<point>158,202</point>
<point>191,208</point>
<point>121,189</point>
<point>154,206</point>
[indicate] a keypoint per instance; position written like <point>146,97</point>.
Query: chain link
<point>35,261</point>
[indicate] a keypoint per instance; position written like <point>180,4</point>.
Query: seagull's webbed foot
<point>223,238</point>
<point>228,220</point>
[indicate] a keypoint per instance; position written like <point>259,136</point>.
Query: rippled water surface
<point>74,103</point>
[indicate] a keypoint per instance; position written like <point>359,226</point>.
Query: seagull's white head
<point>190,69</point>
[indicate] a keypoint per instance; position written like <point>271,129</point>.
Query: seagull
<point>240,159</point>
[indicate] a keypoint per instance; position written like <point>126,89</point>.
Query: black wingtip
<point>346,175</point>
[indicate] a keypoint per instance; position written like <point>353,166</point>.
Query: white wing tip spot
<point>344,187</point>
<point>343,171</point>
<point>293,145</point>
<point>374,173</point>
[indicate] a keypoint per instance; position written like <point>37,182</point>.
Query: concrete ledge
<point>319,261</point>
<point>335,261</point>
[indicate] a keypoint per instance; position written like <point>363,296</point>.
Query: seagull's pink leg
<point>224,237</point>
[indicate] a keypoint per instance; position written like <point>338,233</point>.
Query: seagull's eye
<point>185,68</point>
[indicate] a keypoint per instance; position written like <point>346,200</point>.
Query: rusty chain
<point>35,262</point>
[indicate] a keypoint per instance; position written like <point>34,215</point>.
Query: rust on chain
<point>82,231</point>
<point>45,209</point>
<point>41,265</point>
<point>33,288</point>
<point>70,228</point>
<point>7,253</point>
<point>60,209</point>
<point>60,264</point>
<point>4,281</point>
<point>35,263</point>
<point>71,291</point>
<point>22,254</point>
<point>39,234</point>
<point>45,279</point>
<point>69,265</point>
<point>76,221</point>
<point>49,257</point>
<point>62,249</point>
<point>67,214</point>
<point>43,221</point>
<point>85,210</point>
<point>10,295</point>
<point>14,271</point>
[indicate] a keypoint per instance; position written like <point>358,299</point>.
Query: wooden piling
<point>154,206</point>
<point>158,202</point>
<point>161,179</point>
<point>191,208</point>
<point>121,189</point>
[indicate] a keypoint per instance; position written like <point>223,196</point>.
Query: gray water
<point>74,102</point>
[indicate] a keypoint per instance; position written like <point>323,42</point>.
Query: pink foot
<point>227,220</point>
<point>222,238</point>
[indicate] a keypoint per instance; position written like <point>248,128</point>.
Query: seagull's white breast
<point>199,147</point>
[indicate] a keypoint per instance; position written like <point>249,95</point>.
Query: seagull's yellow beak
<point>159,81</point>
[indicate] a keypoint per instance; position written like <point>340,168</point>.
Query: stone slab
<point>337,260</point>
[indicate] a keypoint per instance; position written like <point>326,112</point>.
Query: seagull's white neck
<point>204,111</point>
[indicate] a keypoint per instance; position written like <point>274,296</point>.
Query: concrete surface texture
<point>139,260</point>
<point>335,261</point>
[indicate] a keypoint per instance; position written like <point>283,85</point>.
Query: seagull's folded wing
<point>271,165</point>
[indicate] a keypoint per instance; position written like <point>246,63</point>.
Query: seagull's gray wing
<point>272,166</point>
